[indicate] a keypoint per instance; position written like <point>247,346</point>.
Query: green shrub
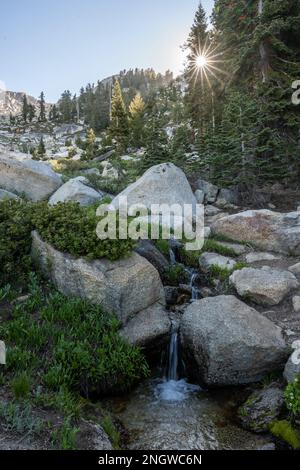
<point>163,246</point>
<point>176,275</point>
<point>15,241</point>
<point>72,229</point>
<point>283,430</point>
<point>292,396</point>
<point>21,385</point>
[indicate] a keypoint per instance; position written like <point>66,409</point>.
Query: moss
<point>284,430</point>
<point>176,275</point>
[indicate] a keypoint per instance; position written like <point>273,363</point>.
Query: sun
<point>201,61</point>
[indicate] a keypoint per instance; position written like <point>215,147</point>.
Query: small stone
<point>296,303</point>
<point>208,260</point>
<point>295,269</point>
<point>260,256</point>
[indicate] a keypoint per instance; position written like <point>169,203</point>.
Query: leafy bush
<point>65,437</point>
<point>292,396</point>
<point>283,430</point>
<point>15,240</point>
<point>19,418</point>
<point>176,275</point>
<point>73,344</point>
<point>72,229</point>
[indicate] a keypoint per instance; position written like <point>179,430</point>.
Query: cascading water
<point>193,278</point>
<point>173,388</point>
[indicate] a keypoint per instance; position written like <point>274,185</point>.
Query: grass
<point>110,429</point>
<point>21,385</point>
<point>65,437</point>
<point>191,258</point>
<point>223,274</point>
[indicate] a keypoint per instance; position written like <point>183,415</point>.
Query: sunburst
<point>206,61</point>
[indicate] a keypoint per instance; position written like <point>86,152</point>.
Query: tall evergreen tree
<point>42,115</point>
<point>136,119</point>
<point>197,84</point>
<point>25,109</point>
<point>31,112</point>
<point>119,128</point>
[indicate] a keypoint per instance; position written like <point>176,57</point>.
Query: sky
<point>53,45</point>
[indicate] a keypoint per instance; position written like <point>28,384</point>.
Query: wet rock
<point>226,342</point>
<point>172,295</point>
<point>263,286</point>
<point>261,408</point>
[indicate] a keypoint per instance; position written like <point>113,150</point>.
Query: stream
<point>167,412</point>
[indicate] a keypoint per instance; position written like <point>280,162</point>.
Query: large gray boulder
<point>125,287</point>
<point>226,342</point>
<point>149,329</point>
<point>264,286</point>
<point>24,176</point>
<point>161,184</point>
<point>76,190</point>
<point>267,230</point>
<point>148,250</point>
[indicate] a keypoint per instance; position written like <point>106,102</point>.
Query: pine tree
<point>136,120</point>
<point>25,109</point>
<point>53,114</point>
<point>119,128</point>
<point>157,150</point>
<point>41,150</point>
<point>42,116</point>
<point>31,112</point>
<point>91,147</point>
<point>65,107</point>
<point>197,84</point>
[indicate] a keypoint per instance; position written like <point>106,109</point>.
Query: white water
<point>172,389</point>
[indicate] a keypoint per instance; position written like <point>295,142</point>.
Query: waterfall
<point>173,357</point>
<point>172,256</point>
<point>193,277</point>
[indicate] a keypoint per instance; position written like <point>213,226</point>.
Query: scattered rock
<point>271,231</point>
<point>236,247</point>
<point>210,211</point>
<point>226,342</point>
<point>199,195</point>
<point>34,179</point>
<point>255,257</point>
<point>76,190</point>
<point>109,171</point>
<point>263,286</point>
<point>125,287</point>
<point>149,329</point>
<point>227,197</point>
<point>172,295</point>
<point>291,369</point>
<point>210,191</point>
<point>296,303</point>
<point>207,260</point>
<point>148,250</point>
<point>261,408</point>
<point>295,269</point>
